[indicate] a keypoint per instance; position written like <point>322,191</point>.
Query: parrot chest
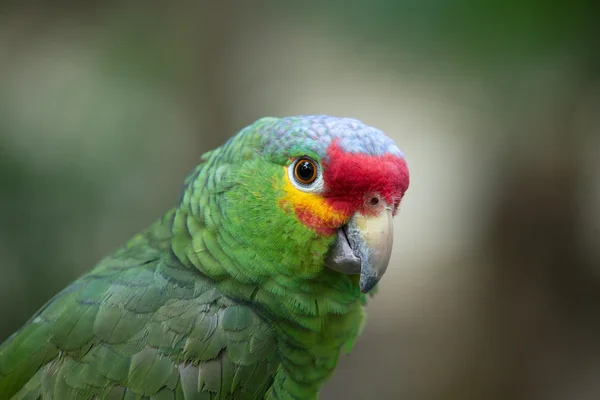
<point>309,358</point>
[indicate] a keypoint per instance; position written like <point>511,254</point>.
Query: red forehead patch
<point>349,177</point>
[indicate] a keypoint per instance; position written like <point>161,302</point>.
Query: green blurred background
<point>494,287</point>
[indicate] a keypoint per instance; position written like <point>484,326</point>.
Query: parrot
<point>250,287</point>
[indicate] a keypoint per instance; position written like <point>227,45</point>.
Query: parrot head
<point>308,193</point>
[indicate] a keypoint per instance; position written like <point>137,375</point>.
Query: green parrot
<point>249,288</point>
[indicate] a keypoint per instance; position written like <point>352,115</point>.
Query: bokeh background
<point>494,287</point>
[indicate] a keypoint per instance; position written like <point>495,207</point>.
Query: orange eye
<point>305,171</point>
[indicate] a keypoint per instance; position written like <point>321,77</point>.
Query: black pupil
<point>305,171</point>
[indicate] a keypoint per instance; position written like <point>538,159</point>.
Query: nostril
<point>374,201</point>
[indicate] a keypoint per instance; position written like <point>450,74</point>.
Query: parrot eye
<point>305,174</point>
<point>305,171</point>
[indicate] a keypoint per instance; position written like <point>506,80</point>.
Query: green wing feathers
<point>140,325</point>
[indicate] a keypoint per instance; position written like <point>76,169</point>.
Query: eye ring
<point>305,171</point>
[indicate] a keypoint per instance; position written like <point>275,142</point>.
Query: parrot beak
<point>364,246</point>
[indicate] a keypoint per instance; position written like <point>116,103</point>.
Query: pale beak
<point>364,246</point>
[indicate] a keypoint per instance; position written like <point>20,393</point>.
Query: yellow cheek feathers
<point>311,209</point>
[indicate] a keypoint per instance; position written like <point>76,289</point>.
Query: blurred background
<point>494,287</point>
